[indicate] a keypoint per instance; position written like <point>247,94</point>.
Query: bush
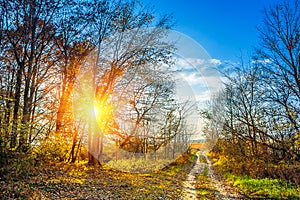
<point>52,150</point>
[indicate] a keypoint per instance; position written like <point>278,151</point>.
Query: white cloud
<point>265,61</point>
<point>192,78</point>
<point>199,79</point>
<point>215,61</point>
<point>201,72</point>
<point>206,67</point>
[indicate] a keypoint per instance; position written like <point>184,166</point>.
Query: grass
<point>205,170</point>
<point>264,188</point>
<point>203,159</point>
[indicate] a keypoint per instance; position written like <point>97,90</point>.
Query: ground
<point>184,179</point>
<point>204,183</point>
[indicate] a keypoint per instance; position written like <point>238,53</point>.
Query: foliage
<point>52,150</point>
<point>19,165</point>
<point>203,159</point>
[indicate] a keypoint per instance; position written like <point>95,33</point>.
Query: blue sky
<point>213,34</point>
<point>223,28</point>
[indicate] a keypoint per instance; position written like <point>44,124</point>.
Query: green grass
<point>205,170</point>
<point>264,188</point>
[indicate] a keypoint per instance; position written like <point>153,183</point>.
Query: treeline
<point>255,119</point>
<point>75,72</point>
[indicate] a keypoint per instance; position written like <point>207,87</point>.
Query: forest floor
<point>80,181</point>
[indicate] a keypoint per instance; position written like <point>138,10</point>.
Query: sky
<point>213,34</point>
<point>216,34</point>
<point>224,28</point>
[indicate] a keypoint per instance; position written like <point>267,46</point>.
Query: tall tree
<point>73,45</point>
<point>131,39</point>
<point>280,51</point>
<point>29,34</point>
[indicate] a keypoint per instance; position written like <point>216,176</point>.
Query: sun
<point>103,112</point>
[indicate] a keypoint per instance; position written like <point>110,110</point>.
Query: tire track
<point>222,190</point>
<point>189,190</point>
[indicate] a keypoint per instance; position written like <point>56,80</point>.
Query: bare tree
<point>280,53</point>
<point>29,39</point>
<point>131,41</point>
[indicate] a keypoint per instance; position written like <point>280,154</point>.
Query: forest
<point>89,87</point>
<point>78,76</point>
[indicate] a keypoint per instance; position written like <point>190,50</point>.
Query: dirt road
<point>209,184</point>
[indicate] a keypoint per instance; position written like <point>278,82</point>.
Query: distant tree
<point>148,104</point>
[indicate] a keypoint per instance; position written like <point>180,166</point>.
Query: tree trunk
<point>14,134</point>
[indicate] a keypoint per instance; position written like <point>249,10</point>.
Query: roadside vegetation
<point>255,188</point>
<point>264,187</point>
